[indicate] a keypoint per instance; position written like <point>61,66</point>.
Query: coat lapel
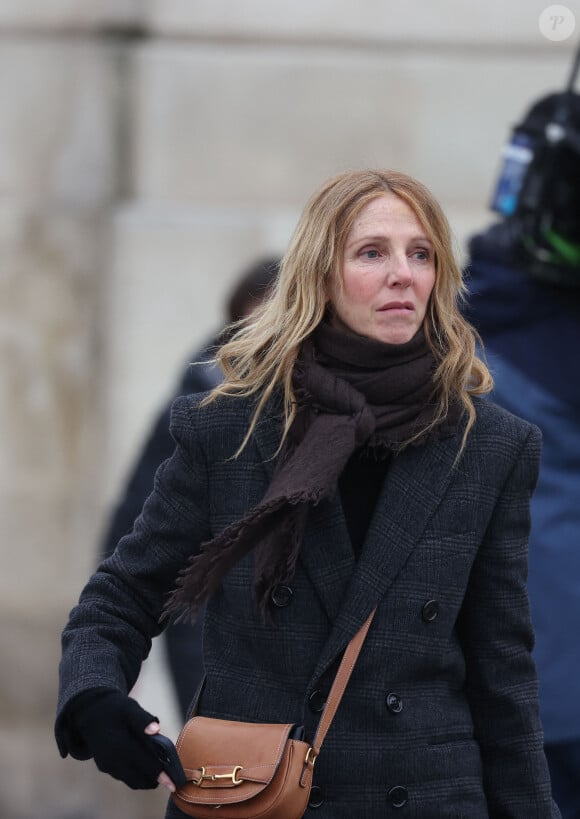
<point>416,483</point>
<point>327,554</point>
<point>268,432</point>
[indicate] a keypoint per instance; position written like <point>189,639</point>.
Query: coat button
<point>281,596</point>
<point>398,796</point>
<point>316,701</point>
<point>394,703</point>
<point>316,799</point>
<point>430,611</point>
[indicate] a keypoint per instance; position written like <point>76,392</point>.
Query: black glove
<point>112,726</point>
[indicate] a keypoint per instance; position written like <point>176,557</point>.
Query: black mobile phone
<point>297,732</point>
<point>167,754</point>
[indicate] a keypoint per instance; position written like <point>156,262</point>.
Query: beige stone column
<point>60,145</point>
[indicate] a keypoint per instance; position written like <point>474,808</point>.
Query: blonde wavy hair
<point>261,354</point>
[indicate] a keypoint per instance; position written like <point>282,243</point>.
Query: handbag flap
<point>226,761</point>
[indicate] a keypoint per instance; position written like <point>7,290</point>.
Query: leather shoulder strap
<point>340,682</point>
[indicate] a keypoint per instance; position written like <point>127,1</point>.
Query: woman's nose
<point>399,273</point>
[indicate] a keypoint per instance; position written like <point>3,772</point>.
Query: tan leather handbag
<point>246,770</point>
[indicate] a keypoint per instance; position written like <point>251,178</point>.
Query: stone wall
<point>148,151</point>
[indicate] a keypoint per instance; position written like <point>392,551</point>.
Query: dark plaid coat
<point>440,719</point>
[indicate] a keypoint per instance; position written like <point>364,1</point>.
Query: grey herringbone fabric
<point>441,713</point>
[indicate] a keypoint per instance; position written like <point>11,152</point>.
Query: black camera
<point>539,185</point>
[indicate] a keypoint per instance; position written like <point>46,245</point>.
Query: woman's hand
<point>114,729</point>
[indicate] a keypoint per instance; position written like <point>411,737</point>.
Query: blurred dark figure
<point>183,640</point>
<point>525,301</point>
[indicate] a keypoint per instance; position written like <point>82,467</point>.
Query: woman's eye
<point>371,254</point>
<point>421,255</point>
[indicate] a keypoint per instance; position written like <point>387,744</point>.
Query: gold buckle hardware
<point>214,777</point>
<point>311,757</point>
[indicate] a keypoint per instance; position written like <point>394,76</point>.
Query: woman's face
<point>388,273</point>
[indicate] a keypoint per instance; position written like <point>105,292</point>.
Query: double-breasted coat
<point>440,718</point>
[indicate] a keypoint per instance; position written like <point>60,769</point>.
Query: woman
<point>346,462</point>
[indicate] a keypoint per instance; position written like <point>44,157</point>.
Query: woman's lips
<point>404,306</point>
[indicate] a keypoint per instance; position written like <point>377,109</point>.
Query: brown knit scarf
<point>351,392</point>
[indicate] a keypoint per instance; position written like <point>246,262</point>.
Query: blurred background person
<point>525,301</point>
<point>183,639</point>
